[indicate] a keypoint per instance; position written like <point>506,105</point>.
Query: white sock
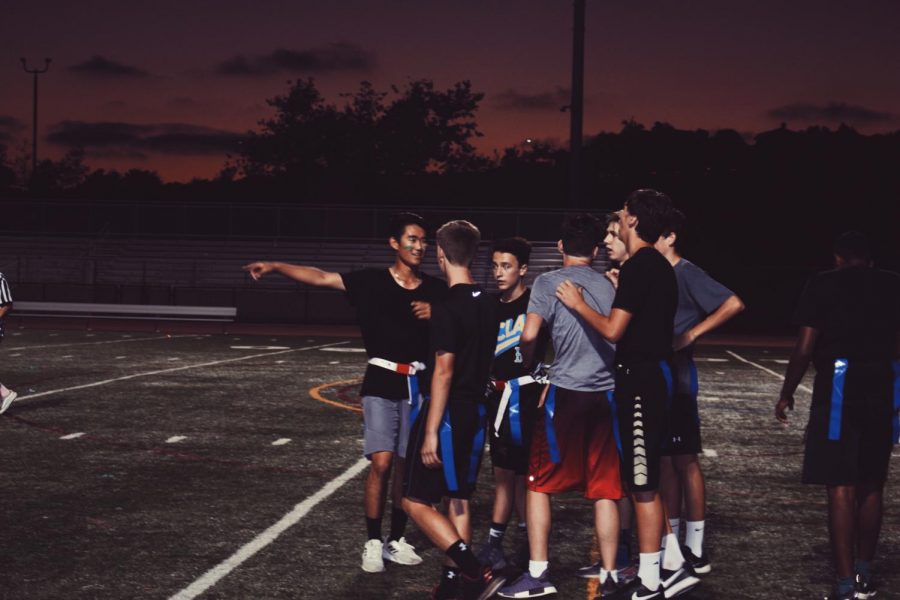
<point>693,536</point>
<point>537,567</point>
<point>604,574</point>
<point>676,526</point>
<point>672,556</point>
<point>648,570</point>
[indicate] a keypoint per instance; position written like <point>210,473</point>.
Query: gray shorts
<point>386,425</point>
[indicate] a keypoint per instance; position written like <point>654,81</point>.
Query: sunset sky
<point>167,85</point>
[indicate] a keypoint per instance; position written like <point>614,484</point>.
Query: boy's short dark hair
<point>517,246</point>
<point>651,209</point>
<point>676,223</point>
<point>459,240</point>
<point>612,217</point>
<point>853,245</point>
<point>581,233</point>
<point>400,221</point>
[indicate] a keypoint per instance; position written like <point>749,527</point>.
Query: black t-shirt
<point>389,328</point>
<point>508,363</point>
<point>465,324</point>
<point>856,311</point>
<point>649,291</point>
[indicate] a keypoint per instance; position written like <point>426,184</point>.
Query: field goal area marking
<point>121,341</point>
<point>316,394</point>
<point>211,577</point>
<point>173,369</point>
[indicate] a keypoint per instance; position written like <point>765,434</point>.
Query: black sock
<point>373,526</point>
<point>495,535</point>
<point>398,524</point>
<point>623,552</point>
<point>460,553</point>
<point>449,585</point>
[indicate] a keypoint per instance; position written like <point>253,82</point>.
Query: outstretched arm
<point>728,309</point>
<point>796,368</point>
<point>612,327</point>
<point>307,275</point>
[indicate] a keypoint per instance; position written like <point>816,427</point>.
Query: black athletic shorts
<point>643,391</point>
<point>683,432</point>
<point>510,449</point>
<point>849,437</point>
<point>460,447</point>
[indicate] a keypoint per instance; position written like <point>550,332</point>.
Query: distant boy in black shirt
<point>849,322</point>
<point>447,440</point>
<point>641,325</point>
<point>393,306</point>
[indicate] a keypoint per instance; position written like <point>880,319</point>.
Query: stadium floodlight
<point>34,118</point>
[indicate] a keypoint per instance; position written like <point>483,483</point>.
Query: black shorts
<point>510,448</point>
<point>642,392</point>
<point>460,446</point>
<point>683,433</point>
<point>851,420</point>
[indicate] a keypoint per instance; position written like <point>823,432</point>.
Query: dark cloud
<point>9,127</point>
<point>130,138</point>
<point>515,100</point>
<point>102,68</point>
<point>342,56</point>
<point>183,102</point>
<point>833,112</point>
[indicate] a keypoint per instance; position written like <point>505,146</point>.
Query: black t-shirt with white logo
<point>389,328</point>
<point>465,324</point>
<point>508,362</point>
<point>856,311</point>
<point>649,291</point>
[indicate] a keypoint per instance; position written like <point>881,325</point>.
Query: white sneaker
<point>7,400</point>
<point>401,552</point>
<point>372,562</point>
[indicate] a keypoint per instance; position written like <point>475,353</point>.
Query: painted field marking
<point>175,439</point>
<point>280,362</point>
<point>53,335</point>
<point>281,441</point>
<point>66,356</point>
<point>316,394</point>
<point>162,337</point>
<point>720,372</point>
<point>173,358</point>
<point>16,354</point>
<point>334,362</point>
<point>211,577</point>
<point>89,335</point>
<point>172,370</point>
<point>710,453</point>
<point>72,436</point>
<point>119,357</point>
<point>351,349</point>
<point>712,360</point>
<point>769,371</point>
<point>259,347</point>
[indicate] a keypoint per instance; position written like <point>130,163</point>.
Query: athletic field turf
<point>223,466</point>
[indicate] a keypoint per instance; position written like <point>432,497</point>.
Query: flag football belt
<point>412,382</point>
<point>510,398</point>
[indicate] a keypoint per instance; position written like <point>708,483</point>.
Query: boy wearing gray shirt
<point>574,445</point>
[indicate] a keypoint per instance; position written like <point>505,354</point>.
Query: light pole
<point>577,104</point>
<point>34,118</point>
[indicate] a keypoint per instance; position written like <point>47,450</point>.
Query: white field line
<point>162,337</point>
<point>72,436</point>
<point>709,452</point>
<point>211,577</point>
<point>281,441</point>
<point>769,371</point>
<point>175,439</point>
<point>172,370</point>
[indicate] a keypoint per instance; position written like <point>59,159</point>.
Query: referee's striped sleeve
<point>5,294</point>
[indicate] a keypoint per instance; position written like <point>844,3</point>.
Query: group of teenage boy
<point>615,417</point>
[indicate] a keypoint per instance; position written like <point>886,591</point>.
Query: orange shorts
<point>581,441</point>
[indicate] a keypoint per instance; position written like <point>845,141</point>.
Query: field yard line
<point>211,577</point>
<point>769,371</point>
<point>172,370</point>
<point>161,337</point>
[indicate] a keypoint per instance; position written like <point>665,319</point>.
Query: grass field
<point>152,466</point>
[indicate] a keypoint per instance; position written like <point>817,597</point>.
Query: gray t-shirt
<point>698,295</point>
<point>584,358</point>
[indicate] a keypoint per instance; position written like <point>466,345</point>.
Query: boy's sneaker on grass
<point>8,399</point>
<point>400,552</point>
<point>590,571</point>
<point>700,564</point>
<point>527,586</point>
<point>628,574</point>
<point>482,587</point>
<point>613,590</point>
<point>492,556</point>
<point>372,557</point>
<point>678,582</point>
<point>864,588</point>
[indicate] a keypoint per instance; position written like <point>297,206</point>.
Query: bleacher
<point>208,272</point>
